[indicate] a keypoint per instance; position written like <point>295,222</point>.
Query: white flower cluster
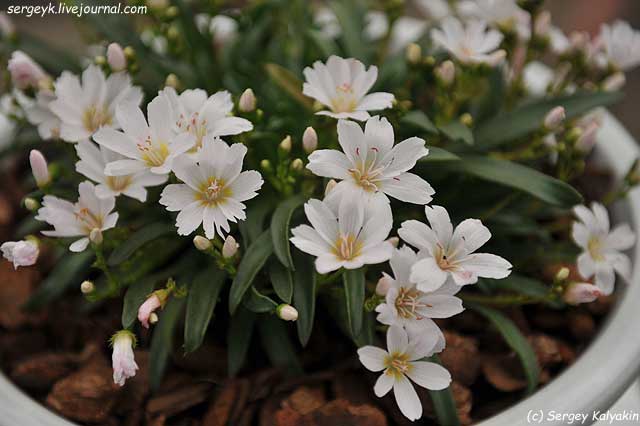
<point>350,227</point>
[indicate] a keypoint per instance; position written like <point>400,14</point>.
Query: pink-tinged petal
<point>147,308</point>
<point>621,238</point>
<point>376,101</point>
<point>578,293</point>
<point>329,163</point>
<point>487,265</point>
<point>428,275</point>
<point>384,384</point>
<point>418,235</point>
<point>397,340</point>
<point>407,398</point>
<point>328,263</point>
<point>372,358</point>
<point>440,223</point>
<point>429,375</point>
<point>463,277</point>
<point>409,188</point>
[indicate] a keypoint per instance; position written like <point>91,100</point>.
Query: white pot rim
<point>594,382</point>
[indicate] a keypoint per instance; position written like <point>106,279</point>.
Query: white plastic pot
<point>597,379</point>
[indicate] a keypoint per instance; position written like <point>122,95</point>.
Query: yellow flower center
<point>344,99</point>
<point>153,155</point>
<point>397,364</point>
<point>214,191</point>
<point>95,117</point>
<point>347,247</point>
<point>89,221</point>
<point>367,172</point>
<point>119,183</point>
<point>408,303</point>
<point>595,248</point>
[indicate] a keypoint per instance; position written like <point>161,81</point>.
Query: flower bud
<point>223,28</point>
<point>201,243</point>
<point>563,274</point>
<point>39,168</point>
<point>20,253</point>
<point>148,308</point>
<point>87,287</point>
<point>287,312</point>
<point>25,72</point>
<point>285,145</point>
<point>297,165</point>
<point>153,318</point>
<point>172,81</point>
<point>123,359</point>
<point>587,139</point>
<point>446,72</point>
<point>115,57</point>
<point>578,293</point>
<point>247,102</point>
<point>554,118</point>
<point>265,165</point>
<point>309,140</point>
<point>497,57</point>
<point>383,285</point>
<point>100,60</point>
<point>330,185</point>
<point>230,247</point>
<point>7,29</point>
<point>614,82</point>
<point>542,24</point>
<point>95,236</point>
<point>413,53</point>
<point>31,204</point>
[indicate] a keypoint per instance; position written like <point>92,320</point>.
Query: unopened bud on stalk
<point>446,72</point>
<point>153,318</point>
<point>95,236</point>
<point>587,138</point>
<point>466,119</point>
<point>116,58</point>
<point>230,247</point>
<point>578,293</point>
<point>309,140</point>
<point>384,284</point>
<point>562,274</point>
<point>297,165</point>
<point>614,82</point>
<point>172,81</point>
<point>265,165</point>
<point>287,312</point>
<point>100,60</point>
<point>554,118</point>
<point>247,102</point>
<point>285,145</point>
<point>542,24</point>
<point>39,168</point>
<point>31,204</point>
<point>330,185</point>
<point>201,243</point>
<point>87,287</point>
<point>413,53</point>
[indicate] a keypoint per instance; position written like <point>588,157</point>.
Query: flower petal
<point>329,163</point>
<point>372,357</point>
<point>487,265</point>
<point>409,188</point>
<point>397,340</point>
<point>407,398</point>
<point>429,375</point>
<point>383,385</point>
<point>428,275</point>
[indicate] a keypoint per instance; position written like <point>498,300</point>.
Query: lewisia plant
<point>367,188</point>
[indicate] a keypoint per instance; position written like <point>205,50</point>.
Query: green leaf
<point>521,285</point>
<point>162,340</point>
<point>258,302</point>
<point>353,280</point>
<point>134,297</point>
<point>443,403</point>
<point>68,271</point>
<point>351,19</point>
<point>458,132</point>
<point>137,240</point>
<point>304,296</point>
<point>281,281</point>
<point>201,302</point>
<point>438,154</point>
<point>544,187</point>
<point>516,341</point>
<point>239,339</point>
<point>419,120</point>
<point>521,121</point>
<point>280,228</point>
<point>251,263</point>
<point>258,209</point>
<point>277,344</point>
<point>289,83</point>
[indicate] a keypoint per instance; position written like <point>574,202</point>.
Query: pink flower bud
<point>201,243</point>
<point>20,253</point>
<point>116,57</point>
<point>587,140</point>
<point>554,118</point>
<point>384,284</point>
<point>123,359</point>
<point>39,168</point>
<point>287,312</point>
<point>309,140</point>
<point>230,247</point>
<point>446,72</point>
<point>578,293</point>
<point>24,71</point>
<point>149,306</point>
<point>247,102</point>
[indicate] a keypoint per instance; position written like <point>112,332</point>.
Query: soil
<point>60,357</point>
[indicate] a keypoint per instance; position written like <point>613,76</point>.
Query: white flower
<point>213,190</point>
<point>472,43</point>
<point>92,164</point>
<point>79,219</point>
<point>450,254</point>
<point>147,147</point>
<point>25,72</point>
<point>85,108</point>
<point>20,253</point>
<point>407,306</point>
<point>601,246</point>
<point>401,362</point>
<point>504,14</point>
<point>346,232</point>
<point>371,164</point>
<point>199,115</point>
<point>621,44</point>
<point>342,86</point>
<point>123,359</point>
<point>38,112</point>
